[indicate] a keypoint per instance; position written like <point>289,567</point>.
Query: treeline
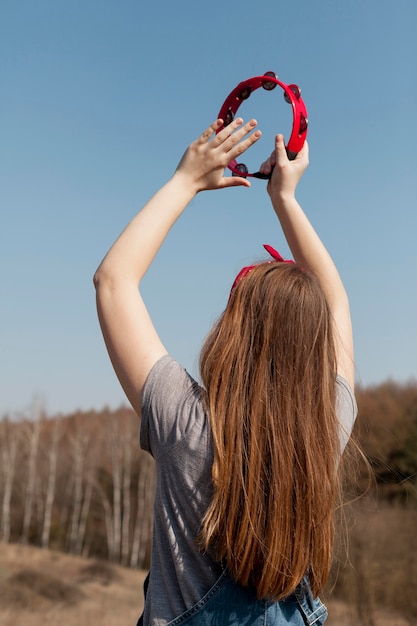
<point>80,483</point>
<point>77,483</point>
<point>386,430</point>
<point>375,566</point>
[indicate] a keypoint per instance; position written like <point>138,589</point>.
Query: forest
<point>80,484</point>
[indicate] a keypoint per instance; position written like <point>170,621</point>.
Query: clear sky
<point>98,101</point>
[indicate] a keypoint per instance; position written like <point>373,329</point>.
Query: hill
<point>42,587</point>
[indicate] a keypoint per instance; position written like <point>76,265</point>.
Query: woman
<point>247,465</point>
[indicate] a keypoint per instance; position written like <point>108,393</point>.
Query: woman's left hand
<point>205,160</point>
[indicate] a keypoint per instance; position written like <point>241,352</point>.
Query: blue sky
<point>99,99</point>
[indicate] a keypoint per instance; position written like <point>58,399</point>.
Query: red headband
<point>245,270</point>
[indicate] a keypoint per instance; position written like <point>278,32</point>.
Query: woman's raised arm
<point>307,248</point>
<point>131,339</point>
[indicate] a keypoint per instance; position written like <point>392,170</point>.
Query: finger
<point>242,145</point>
<point>265,167</point>
<point>226,132</point>
<point>235,181</point>
<point>280,151</point>
<point>205,136</point>
<point>268,165</point>
<point>238,135</point>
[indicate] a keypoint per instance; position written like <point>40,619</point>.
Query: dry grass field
<point>41,588</point>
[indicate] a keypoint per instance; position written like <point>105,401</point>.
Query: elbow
<point>97,278</point>
<point>108,274</point>
<point>108,278</point>
<point>103,277</point>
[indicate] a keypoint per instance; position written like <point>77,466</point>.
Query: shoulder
<point>346,408</point>
<point>171,404</point>
<point>167,379</point>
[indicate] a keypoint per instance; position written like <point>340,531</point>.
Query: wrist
<point>185,184</point>
<point>282,197</point>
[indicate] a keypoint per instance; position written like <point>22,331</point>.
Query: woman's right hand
<point>285,173</point>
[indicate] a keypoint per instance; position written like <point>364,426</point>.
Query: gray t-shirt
<point>175,430</point>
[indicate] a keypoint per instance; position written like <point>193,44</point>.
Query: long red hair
<point>269,369</point>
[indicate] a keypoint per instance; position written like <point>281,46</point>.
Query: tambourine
<point>292,95</point>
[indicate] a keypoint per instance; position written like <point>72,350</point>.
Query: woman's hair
<point>269,371</point>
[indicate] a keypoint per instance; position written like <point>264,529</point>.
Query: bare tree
<point>79,444</point>
<point>116,458</point>
<point>108,519</point>
<point>146,486</point>
<point>50,489</point>
<point>8,456</point>
<point>85,510</point>
<point>65,507</point>
<point>32,432</point>
<point>39,501</point>
<point>127,473</point>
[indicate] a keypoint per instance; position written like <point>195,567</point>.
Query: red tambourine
<point>292,95</point>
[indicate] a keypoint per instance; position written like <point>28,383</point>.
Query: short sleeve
<point>346,409</point>
<point>169,396</point>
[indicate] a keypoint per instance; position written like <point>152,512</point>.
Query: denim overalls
<point>229,604</point>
